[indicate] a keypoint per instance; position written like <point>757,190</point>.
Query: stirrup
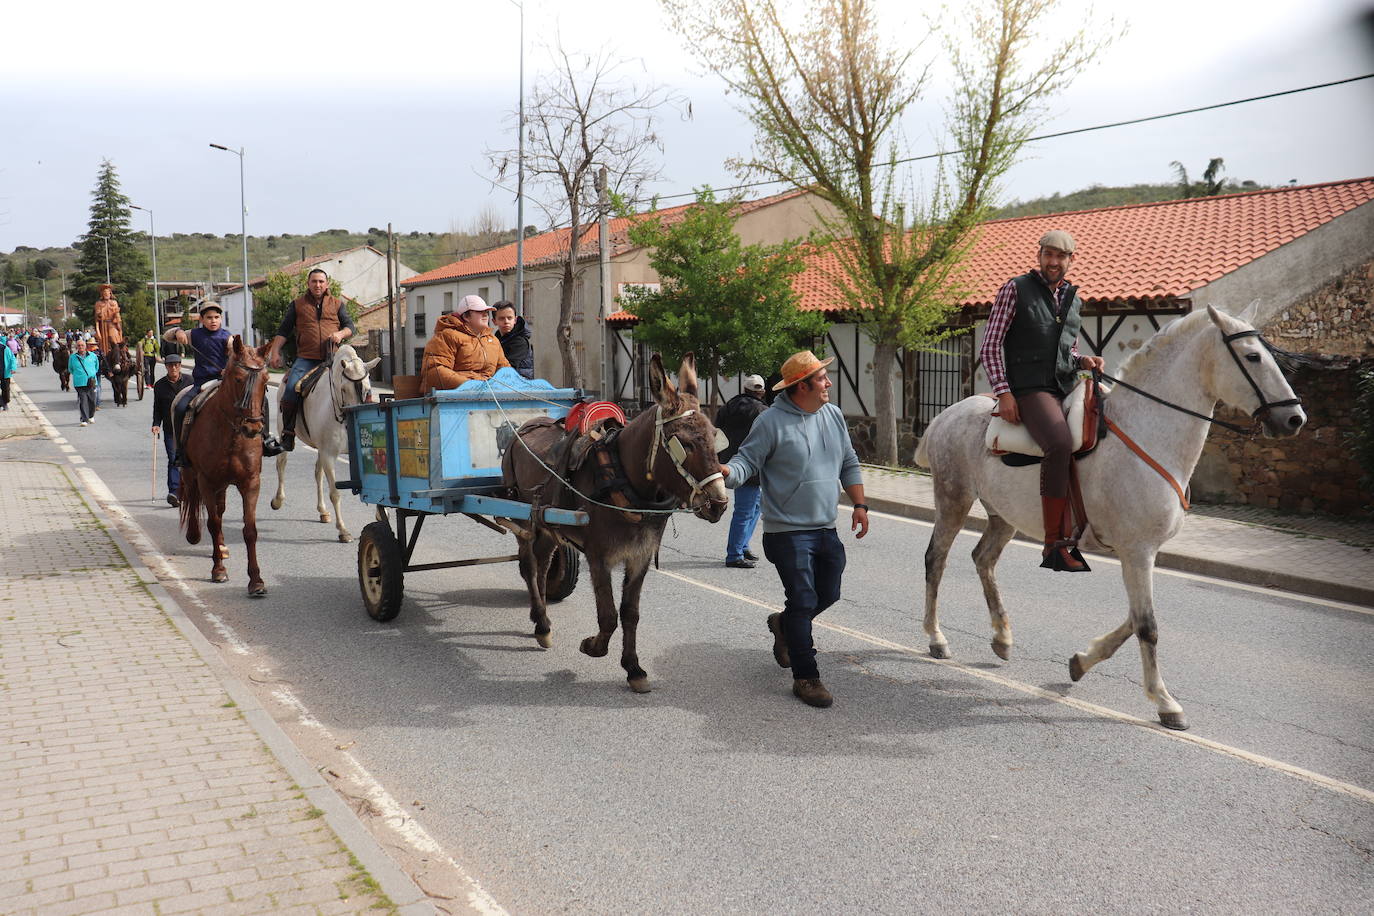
<point>1055,558</point>
<point>271,447</point>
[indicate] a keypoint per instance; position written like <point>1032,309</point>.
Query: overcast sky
<point>355,114</point>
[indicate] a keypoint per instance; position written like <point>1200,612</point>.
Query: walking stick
<point>152,483</point>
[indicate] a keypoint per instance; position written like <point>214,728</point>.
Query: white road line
<point>1175,573</point>
<point>1317,779</point>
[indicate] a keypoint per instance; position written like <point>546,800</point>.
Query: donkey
<point>321,425</point>
<point>61,361</point>
<point>1197,361</point>
<point>225,447</point>
<point>668,457</point>
<point>121,367</point>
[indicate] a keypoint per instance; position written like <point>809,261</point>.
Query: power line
<point>1062,133</point>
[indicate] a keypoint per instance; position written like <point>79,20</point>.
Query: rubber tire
<point>564,571</point>
<point>383,591</point>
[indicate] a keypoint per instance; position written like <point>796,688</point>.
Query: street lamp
<point>520,178</point>
<point>26,303</point>
<point>152,233</point>
<point>243,234</point>
<point>106,240</point>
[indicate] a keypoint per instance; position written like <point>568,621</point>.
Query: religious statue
<point>109,327</point>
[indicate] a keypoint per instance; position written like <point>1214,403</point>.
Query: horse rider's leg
<point>952,503</point>
<point>279,498</point>
<point>1137,570</point>
<point>1043,416</point>
<point>249,493</point>
<point>214,523</point>
<point>596,646</point>
<point>985,555</point>
<point>631,586</point>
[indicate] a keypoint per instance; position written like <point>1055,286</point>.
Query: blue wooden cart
<point>441,455</point>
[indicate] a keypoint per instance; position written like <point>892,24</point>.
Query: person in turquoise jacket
<point>801,451</point>
<point>8,366</point>
<point>85,369</point>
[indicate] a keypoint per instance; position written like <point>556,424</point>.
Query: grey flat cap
<point>1058,238</point>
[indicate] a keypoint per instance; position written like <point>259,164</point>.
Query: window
<point>448,303</point>
<point>485,293</point>
<point>419,360</point>
<point>419,316</point>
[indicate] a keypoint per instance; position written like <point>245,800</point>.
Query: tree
<point>1211,185</point>
<point>731,304</point>
<point>271,301</point>
<point>584,115</point>
<point>825,91</point>
<point>110,216</point>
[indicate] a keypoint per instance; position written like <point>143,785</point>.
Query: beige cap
<point>1058,238</point>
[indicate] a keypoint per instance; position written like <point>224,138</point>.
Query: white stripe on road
<point>1316,779</point>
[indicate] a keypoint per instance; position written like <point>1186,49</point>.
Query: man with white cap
<point>1030,355</point>
<point>735,419</point>
<point>463,348</point>
<point>801,450</point>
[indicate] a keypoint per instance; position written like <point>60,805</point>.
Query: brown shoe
<point>779,643</point>
<point>812,692</point>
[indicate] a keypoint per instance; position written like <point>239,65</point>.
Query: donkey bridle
<point>676,451</point>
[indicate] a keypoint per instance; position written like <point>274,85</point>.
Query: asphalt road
<point>544,785</point>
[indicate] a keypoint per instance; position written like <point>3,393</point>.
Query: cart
<point>441,455</point>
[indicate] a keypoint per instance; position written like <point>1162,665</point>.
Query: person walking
<point>148,348</point>
<point>801,451</point>
<point>514,334</point>
<point>318,322</point>
<point>735,419</point>
<point>8,366</point>
<point>85,369</point>
<point>1030,355</point>
<point>164,394</point>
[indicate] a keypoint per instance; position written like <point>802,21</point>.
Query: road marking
<point>1159,571</point>
<point>1317,779</point>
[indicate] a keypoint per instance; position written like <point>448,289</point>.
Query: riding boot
<point>1061,552</point>
<point>288,425</point>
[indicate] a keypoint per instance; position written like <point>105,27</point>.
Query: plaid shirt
<point>999,321</point>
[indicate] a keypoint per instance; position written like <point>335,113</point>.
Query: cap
<point>472,304</point>
<point>1057,238</point>
<point>798,366</point>
<point>171,358</point>
<point>210,307</point>
<point>753,383</point>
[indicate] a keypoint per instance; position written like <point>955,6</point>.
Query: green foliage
<point>136,313</point>
<point>271,302</point>
<point>128,266</point>
<point>731,304</point>
<point>1362,438</point>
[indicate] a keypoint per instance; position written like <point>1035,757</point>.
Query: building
<point>491,275</point>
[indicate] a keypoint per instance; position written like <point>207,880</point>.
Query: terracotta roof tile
<point>548,247</point>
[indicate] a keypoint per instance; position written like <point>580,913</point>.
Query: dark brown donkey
<point>667,458</point>
<point>225,447</point>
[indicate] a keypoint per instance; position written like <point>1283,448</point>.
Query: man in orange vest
<point>319,322</point>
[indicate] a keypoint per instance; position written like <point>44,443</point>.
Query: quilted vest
<point>313,325</point>
<point>1037,344</point>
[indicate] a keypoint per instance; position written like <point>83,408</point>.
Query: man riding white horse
<point>314,320</point>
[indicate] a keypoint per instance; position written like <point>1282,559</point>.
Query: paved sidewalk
<point>1325,557</point>
<point>138,775</point>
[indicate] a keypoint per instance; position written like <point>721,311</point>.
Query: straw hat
<point>798,366</point>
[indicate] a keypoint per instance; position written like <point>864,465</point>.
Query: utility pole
<point>390,307</point>
<point>520,178</point>
<point>603,243</point>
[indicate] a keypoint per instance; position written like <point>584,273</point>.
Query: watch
<point>863,506</point>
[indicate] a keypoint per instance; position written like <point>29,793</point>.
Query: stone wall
<point>1335,319</point>
<point>864,430</point>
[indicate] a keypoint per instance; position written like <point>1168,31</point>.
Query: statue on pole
<point>109,327</point>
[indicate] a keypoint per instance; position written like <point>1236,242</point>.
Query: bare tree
<point>826,88</point>
<point>585,113</point>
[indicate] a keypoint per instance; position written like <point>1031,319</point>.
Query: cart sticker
<point>490,433</point>
<point>372,446</point>
<point>412,438</point>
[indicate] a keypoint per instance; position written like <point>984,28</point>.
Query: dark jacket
<point>518,349</point>
<point>164,393</point>
<point>735,419</point>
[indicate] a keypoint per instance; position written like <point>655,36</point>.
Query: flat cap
<point>1058,238</point>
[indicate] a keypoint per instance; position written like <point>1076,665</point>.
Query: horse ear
<point>372,363</point>
<point>1251,313</point>
<point>263,350</point>
<point>1215,314</point>
<point>659,385</point>
<point>687,375</point>
<point>236,345</point>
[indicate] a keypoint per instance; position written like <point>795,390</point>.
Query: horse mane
<point>1161,343</point>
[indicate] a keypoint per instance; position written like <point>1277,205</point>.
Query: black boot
<point>288,426</point>
<point>271,448</point>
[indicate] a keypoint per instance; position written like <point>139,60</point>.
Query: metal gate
<point>941,377</point>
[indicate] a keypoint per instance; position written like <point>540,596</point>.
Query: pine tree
<point>129,271</point>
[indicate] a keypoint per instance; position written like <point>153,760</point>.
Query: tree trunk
<point>884,403</point>
<point>572,372</point>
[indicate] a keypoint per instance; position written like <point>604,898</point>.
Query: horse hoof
<point>1003,650</point>
<point>589,647</point>
<point>639,684</point>
<point>1174,720</point>
<point>1076,670</point>
<point>345,537</point>
<point>257,591</point>
<point>276,503</point>
<point>325,519</point>
<point>219,577</point>
<point>545,640</point>
<point>940,651</point>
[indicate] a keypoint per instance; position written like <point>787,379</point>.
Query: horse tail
<point>190,506</point>
<point>922,458</point>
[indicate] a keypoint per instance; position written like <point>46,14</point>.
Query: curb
<point>396,884</point>
<point>1167,559</point>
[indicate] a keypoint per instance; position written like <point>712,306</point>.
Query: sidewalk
<point>1321,556</point>
<point>139,775</point>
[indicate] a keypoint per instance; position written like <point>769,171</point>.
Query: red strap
<point>1159,469</point>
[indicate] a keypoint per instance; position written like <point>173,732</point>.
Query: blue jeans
<point>747,498</point>
<point>810,565</point>
<point>169,442</point>
<point>298,370</point>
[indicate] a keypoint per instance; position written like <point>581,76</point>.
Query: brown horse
<point>223,448</point>
<point>121,367</point>
<point>667,457</point>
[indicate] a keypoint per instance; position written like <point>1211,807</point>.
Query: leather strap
<point>1159,469</point>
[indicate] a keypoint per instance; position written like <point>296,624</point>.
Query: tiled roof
<point>548,247</point>
<point>1134,252</point>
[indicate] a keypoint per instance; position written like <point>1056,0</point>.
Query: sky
<point>352,115</point>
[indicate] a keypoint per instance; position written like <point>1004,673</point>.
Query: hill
<point>1092,198</point>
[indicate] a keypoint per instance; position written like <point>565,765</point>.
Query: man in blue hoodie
<point>801,450</point>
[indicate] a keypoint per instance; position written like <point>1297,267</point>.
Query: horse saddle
<point>1082,410</point>
<point>190,406</point>
<point>311,379</point>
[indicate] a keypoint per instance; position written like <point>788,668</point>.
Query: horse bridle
<point>676,451</point>
<point>245,403</point>
<point>357,389</point>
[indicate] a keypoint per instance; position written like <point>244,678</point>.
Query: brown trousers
<point>1043,414</point>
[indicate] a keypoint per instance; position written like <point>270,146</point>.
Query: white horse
<point>320,423</point>
<point>1197,361</point>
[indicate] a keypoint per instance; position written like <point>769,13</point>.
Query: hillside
<point>1102,196</point>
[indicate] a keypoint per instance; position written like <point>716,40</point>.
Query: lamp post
<point>520,178</point>
<point>243,235</point>
<point>26,303</point>
<point>152,233</point>
<point>106,240</point>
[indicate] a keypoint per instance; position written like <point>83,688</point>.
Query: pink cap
<point>472,304</point>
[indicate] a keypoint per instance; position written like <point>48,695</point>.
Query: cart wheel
<point>381,573</point>
<point>564,570</point>
<point>141,382</point>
